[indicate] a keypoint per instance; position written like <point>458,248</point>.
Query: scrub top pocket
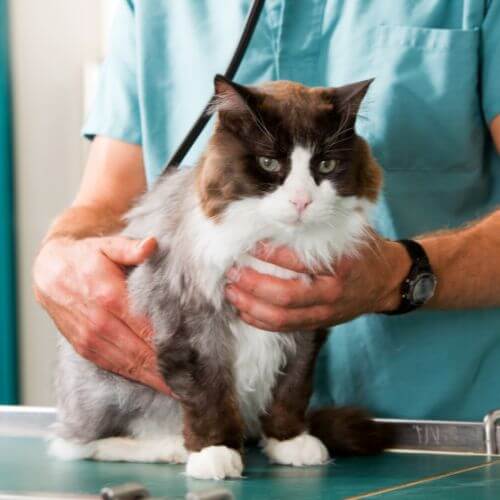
<point>424,109</point>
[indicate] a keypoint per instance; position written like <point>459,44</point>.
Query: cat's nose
<point>301,202</point>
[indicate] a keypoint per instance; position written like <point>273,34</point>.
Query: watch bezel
<point>412,284</point>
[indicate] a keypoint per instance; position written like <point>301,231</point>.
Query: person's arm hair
<point>467,264</point>
<point>114,177</point>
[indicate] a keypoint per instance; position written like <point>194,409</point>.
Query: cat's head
<point>287,153</point>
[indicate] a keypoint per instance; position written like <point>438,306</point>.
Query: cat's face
<point>290,151</point>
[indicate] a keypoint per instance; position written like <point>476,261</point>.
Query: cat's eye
<point>269,164</point>
<point>327,166</point>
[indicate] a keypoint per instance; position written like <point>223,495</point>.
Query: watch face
<point>423,288</point>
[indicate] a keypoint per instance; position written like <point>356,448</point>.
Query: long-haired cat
<point>284,164</point>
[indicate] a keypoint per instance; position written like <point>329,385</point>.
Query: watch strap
<point>417,254</point>
<point>420,264</point>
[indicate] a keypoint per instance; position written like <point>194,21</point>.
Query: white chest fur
<point>259,357</point>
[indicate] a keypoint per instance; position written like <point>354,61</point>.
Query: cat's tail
<point>349,431</point>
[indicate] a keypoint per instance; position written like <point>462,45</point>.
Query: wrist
<point>81,222</point>
<point>397,264</point>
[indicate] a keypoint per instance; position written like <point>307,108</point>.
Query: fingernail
<point>231,294</point>
<point>258,248</point>
<point>144,242</point>
<point>232,274</point>
<point>262,249</point>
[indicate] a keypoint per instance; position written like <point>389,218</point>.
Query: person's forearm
<point>81,221</point>
<point>466,262</point>
<point>467,265</point>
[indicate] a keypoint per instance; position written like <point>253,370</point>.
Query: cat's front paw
<point>298,451</point>
<point>214,462</point>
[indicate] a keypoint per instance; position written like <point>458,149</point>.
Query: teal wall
<point>8,351</point>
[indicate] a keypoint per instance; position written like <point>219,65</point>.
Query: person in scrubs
<point>432,117</point>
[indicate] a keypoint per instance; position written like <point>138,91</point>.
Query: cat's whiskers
<point>262,127</point>
<point>336,150</point>
<point>341,129</point>
<point>333,142</point>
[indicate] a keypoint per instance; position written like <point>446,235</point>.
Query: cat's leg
<point>122,449</point>
<point>196,362</point>
<point>102,416</point>
<point>151,435</point>
<point>285,436</point>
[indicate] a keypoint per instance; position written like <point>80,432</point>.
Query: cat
<point>284,164</point>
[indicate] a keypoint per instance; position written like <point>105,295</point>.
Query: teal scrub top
<point>436,65</point>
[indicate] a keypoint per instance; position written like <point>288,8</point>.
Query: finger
<point>112,295</point>
<point>280,256</point>
<point>110,358</point>
<point>155,381</point>
<point>286,292</point>
<point>135,352</point>
<point>277,318</point>
<point>126,353</point>
<point>250,320</point>
<point>105,351</point>
<point>134,359</point>
<point>105,359</point>
<point>139,324</point>
<point>126,251</point>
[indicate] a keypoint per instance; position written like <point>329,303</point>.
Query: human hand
<point>82,286</point>
<point>364,284</point>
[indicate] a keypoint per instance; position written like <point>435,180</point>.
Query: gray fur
<point>200,343</point>
<point>94,403</point>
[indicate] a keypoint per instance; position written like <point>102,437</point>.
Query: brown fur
<point>344,431</point>
<point>216,423</point>
<point>368,180</point>
<point>286,418</point>
<point>205,389</point>
<point>269,120</point>
<point>349,431</point>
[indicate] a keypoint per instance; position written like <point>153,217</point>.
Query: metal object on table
<point>136,491</point>
<point>216,494</point>
<point>490,432</point>
<point>127,491</point>
<point>413,435</point>
<point>441,436</point>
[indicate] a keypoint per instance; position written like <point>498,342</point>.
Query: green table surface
<point>25,467</point>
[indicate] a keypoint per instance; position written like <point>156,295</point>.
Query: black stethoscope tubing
<point>198,126</point>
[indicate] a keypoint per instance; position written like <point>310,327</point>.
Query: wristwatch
<point>420,284</point>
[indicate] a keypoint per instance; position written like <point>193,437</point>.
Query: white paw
<point>214,462</point>
<point>300,450</point>
<point>122,449</point>
<point>64,449</point>
<point>170,449</point>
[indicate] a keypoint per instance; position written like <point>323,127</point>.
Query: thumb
<point>126,251</point>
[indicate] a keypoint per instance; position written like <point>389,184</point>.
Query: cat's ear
<point>347,99</point>
<point>230,96</point>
